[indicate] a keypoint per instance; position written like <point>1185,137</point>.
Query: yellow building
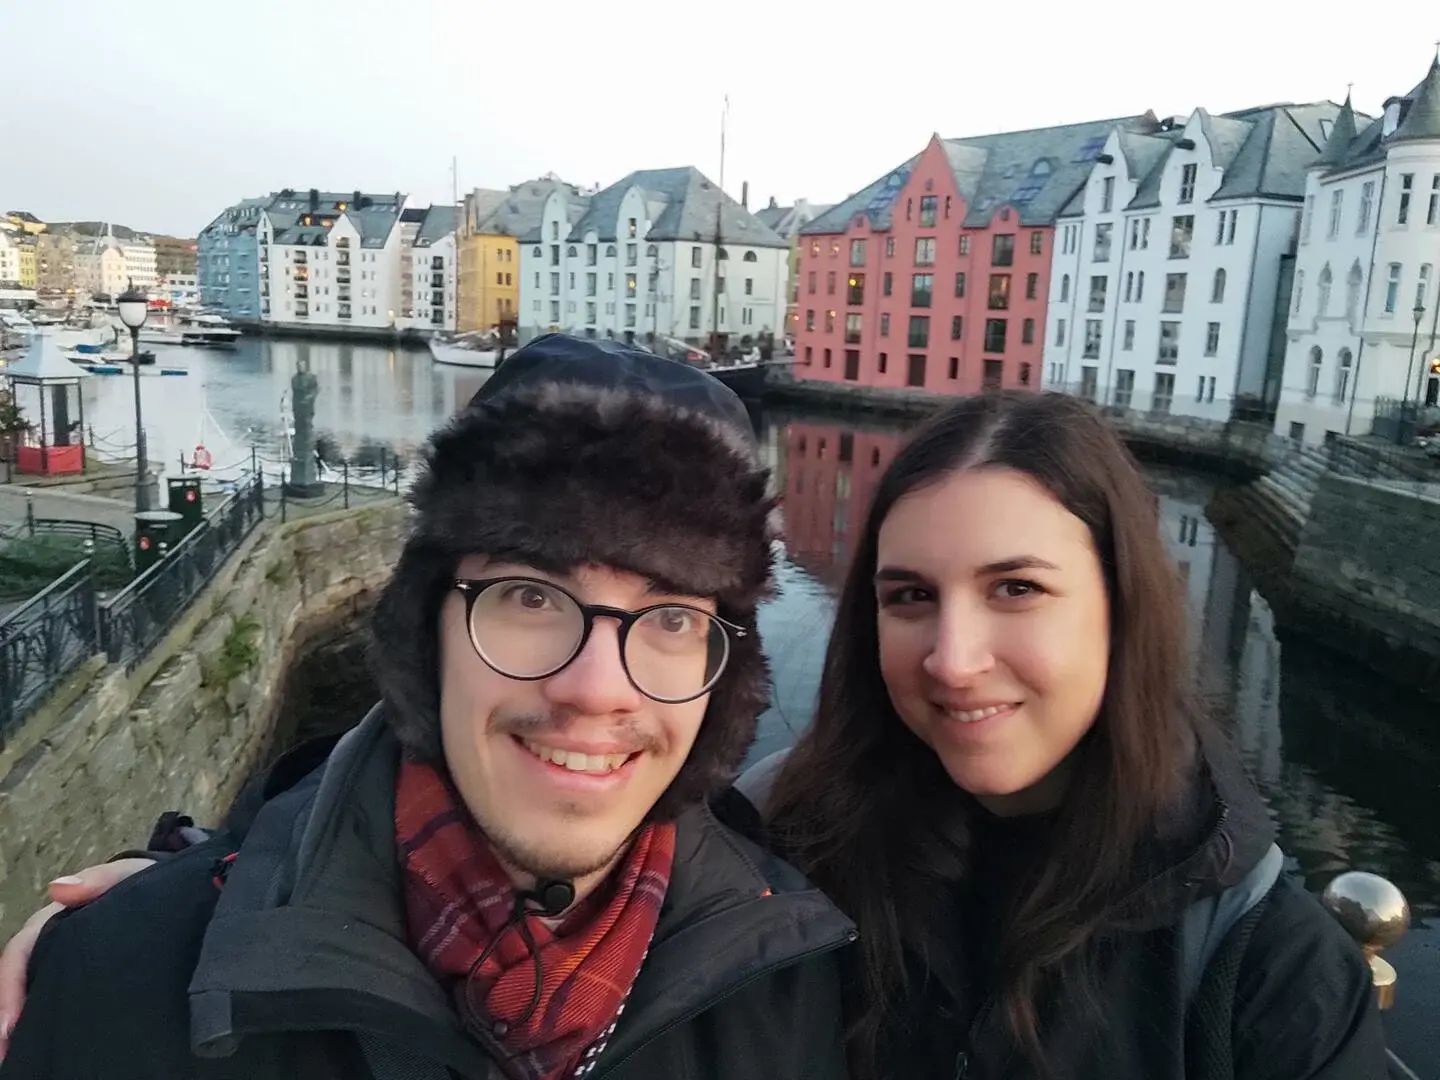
<point>26,222</point>
<point>28,273</point>
<point>488,287</point>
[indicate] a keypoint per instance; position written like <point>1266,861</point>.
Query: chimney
<point>314,199</point>
<point>355,199</point>
<point>773,204</point>
<point>745,195</point>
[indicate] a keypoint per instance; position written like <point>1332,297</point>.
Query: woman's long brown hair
<point>866,810</point>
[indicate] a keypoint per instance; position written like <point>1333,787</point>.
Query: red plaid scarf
<point>458,897</point>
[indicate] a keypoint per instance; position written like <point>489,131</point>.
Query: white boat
<point>14,323</point>
<point>86,339</point>
<point>475,349</point>
<point>210,331</point>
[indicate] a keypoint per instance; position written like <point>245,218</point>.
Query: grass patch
<point>30,563</point>
<point>238,654</point>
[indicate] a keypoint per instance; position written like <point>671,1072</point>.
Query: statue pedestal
<point>300,489</point>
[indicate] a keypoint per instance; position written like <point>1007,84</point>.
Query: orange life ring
<point>201,458</point>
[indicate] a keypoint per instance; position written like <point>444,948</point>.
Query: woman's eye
<point>909,594</point>
<point>1011,589</point>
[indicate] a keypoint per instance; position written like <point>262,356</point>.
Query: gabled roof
<point>1422,121</point>
<point>786,221</point>
<point>437,222</point>
<point>1036,171</point>
<point>682,204</point>
<point>1342,134</point>
<point>520,211</point>
<point>1369,146</point>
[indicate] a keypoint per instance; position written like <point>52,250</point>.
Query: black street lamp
<point>134,309</point>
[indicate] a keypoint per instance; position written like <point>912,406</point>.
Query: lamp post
<point>134,309</point>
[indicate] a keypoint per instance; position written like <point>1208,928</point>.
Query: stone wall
<point>1366,577</point>
<point>86,775</point>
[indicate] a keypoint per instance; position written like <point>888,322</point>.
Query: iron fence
<point>50,635</point>
<point>139,615</point>
<point>44,640</point>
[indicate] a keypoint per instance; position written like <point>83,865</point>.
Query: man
<point>511,867</point>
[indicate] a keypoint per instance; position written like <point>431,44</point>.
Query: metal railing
<point>44,640</point>
<point>49,636</point>
<point>140,614</point>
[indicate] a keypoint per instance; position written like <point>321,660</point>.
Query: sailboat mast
<point>719,238</point>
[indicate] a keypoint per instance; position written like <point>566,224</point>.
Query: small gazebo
<point>58,444</point>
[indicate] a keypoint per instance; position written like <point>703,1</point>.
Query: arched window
<point>1353,281</point>
<point>609,251</point>
<point>1317,362</point>
<point>1322,293</point>
<point>725,254</point>
<point>1065,288</point>
<point>1299,291</point>
<point>538,253</point>
<point>1217,290</point>
<point>651,251</point>
<point>750,256</point>
<point>1342,375</point>
<point>570,252</point>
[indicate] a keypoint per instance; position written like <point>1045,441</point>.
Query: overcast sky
<point>159,114</point>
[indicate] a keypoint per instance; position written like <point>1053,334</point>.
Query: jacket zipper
<point>769,969</point>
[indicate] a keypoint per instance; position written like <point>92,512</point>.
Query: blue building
<point>227,266</point>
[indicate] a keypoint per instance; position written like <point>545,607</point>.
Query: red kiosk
<point>56,443</point>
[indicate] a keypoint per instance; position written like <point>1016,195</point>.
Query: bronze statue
<point>304,388</point>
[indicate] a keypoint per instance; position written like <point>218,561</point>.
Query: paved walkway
<point>57,503</point>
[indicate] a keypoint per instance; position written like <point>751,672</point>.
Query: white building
<point>331,260</point>
<point>101,266</point>
<point>1364,312</point>
<point>178,290</point>
<point>429,268</point>
<point>1168,262</point>
<point>140,268</point>
<point>641,262</point>
<point>9,261</point>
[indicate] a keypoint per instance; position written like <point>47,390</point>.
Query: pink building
<point>936,276</point>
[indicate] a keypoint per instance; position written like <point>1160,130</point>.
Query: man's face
<point>502,736</point>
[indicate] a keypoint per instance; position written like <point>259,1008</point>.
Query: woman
<point>1010,789</point>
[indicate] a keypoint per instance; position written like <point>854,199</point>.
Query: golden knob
<point>1376,914</point>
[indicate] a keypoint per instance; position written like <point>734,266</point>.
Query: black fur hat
<point>576,452</point>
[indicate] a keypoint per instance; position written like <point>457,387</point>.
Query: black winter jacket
<point>1287,996</point>
<point>300,965</point>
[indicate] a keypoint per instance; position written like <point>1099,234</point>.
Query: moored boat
<point>476,349</point>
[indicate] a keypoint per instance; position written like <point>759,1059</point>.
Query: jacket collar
<point>318,884</point>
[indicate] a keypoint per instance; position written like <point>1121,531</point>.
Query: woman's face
<point>994,627</point>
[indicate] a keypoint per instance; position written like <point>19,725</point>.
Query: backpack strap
<point>1206,922</point>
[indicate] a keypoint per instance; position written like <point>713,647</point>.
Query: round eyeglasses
<point>530,629</point>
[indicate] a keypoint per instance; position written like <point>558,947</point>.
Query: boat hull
<point>458,356</point>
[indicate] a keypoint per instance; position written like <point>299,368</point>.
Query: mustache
<point>531,725</point>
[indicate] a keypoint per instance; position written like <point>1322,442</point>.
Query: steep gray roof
<point>788,220</point>
<point>683,204</point>
<point>374,216</point>
<point>519,212</point>
<point>1036,171</point>
<point>438,223</point>
<point>1423,119</point>
<point>1342,134</point>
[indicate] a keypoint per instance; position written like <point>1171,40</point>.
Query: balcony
<point>437,281</point>
<point>344,295</point>
<point>302,310</point>
<point>343,277</point>
<point>437,299</point>
<point>302,292</point>
<point>344,311</point>
<point>301,258</point>
<point>342,258</point>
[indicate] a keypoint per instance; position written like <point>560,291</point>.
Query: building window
<point>1134,233</point>
<point>954,367</point>
<point>995,335</point>
<point>1422,286</point>
<point>749,286</point>
<point>1129,285</point>
<point>1392,289</point>
<point>882,363</point>
<point>1174,293</point>
<point>957,327</point>
<point>1164,391</point>
<point>1032,286</point>
<point>1432,216</point>
<point>964,244</point>
<point>925,251</point>
<point>1212,338</point>
<point>1092,338</point>
<point>857,252</point>
<point>887,283</point>
<point>889,247</point>
<point>885,325</point>
<point>852,329</point>
<point>1337,211</point>
<point>1407,186</point>
<point>1107,195</point>
<point>1169,343</point>
<point>1002,250</point>
<point>1299,291</point>
<point>960,286</point>
<point>1322,302</point>
<point>810,319</point>
<point>928,207</point>
<point>1367,198</point>
<point>855,295</point>
<point>1127,342</point>
<point>1037,243</point>
<point>1059,331</point>
<point>827,364</point>
<point>1205,390</point>
<point>810,284</point>
<point>1025,373</point>
<point>999,299</point>
<point>1065,288</point>
<point>630,286</point>
<point>1312,376</point>
<point>919,332</point>
<point>1352,289</point>
<point>1124,387</point>
<point>915,370</point>
<point>830,321</point>
<point>829,283</point>
<point>1102,242</point>
<point>1187,183</point>
<point>1027,332</point>
<point>1098,286</point>
<point>920,289</point>
<point>1217,287</point>
<point>1225,227</point>
<point>1182,231</point>
<point>994,375</point>
<point>1342,375</point>
<point>697,256</point>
